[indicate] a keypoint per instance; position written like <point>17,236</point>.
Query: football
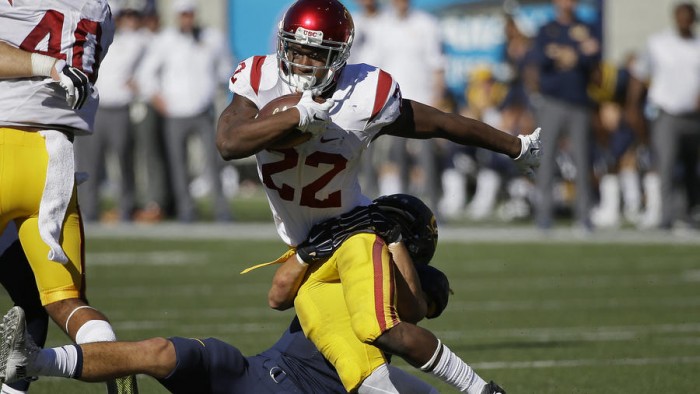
<point>283,103</point>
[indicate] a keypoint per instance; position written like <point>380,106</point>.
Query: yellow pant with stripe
<point>23,164</point>
<point>347,302</point>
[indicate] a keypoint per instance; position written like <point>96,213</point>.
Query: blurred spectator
<point>671,66</point>
<point>456,165</point>
<point>182,74</point>
<point>566,52</point>
<point>150,141</point>
<point>367,29</point>
<point>113,129</point>
<point>484,94</point>
<point>615,155</point>
<point>503,104</point>
<point>410,50</point>
<point>515,109</point>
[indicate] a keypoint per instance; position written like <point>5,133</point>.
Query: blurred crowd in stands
<point>621,140</point>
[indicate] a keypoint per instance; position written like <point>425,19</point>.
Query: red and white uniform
<point>318,179</point>
<point>77,31</point>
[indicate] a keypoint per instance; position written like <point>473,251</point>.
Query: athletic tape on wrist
<point>42,65</point>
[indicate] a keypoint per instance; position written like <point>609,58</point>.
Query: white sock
<point>447,366</point>
<point>389,183</point>
<point>59,361</point>
<point>9,390</point>
<point>95,331</point>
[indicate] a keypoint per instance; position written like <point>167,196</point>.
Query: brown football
<point>283,103</point>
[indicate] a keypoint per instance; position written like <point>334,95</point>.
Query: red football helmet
<point>322,24</point>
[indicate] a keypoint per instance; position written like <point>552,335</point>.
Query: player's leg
<point>206,365</point>
<point>93,362</point>
<point>369,288</point>
<point>61,286</point>
<point>322,307</point>
<point>390,379</point>
<point>17,278</point>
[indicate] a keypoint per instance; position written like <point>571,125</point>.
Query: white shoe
<point>607,213</point>
<point>17,350</point>
<point>488,184</point>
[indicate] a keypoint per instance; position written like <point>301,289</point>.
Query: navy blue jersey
<point>568,84</point>
<point>292,365</point>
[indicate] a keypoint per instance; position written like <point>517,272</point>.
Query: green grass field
<point>549,317</point>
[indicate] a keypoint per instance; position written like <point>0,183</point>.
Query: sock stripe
<point>79,363</point>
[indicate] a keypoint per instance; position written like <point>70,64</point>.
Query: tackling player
<point>318,179</point>
<point>187,365</point>
<point>50,52</point>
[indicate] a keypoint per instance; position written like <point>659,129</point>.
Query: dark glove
<point>75,83</point>
<point>325,237</point>
<point>436,287</point>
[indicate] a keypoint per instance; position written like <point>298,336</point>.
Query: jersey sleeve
<point>240,80</point>
<point>247,78</point>
<point>387,103</point>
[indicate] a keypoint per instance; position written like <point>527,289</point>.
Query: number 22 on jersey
<point>308,192</point>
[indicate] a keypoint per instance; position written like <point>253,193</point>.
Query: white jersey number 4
<point>51,27</point>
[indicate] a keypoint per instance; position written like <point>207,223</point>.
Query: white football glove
<point>75,83</point>
<point>313,116</point>
<point>530,152</point>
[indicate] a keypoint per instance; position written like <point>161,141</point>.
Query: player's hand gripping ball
<point>283,103</point>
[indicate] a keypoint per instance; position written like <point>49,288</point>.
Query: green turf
<point>561,318</point>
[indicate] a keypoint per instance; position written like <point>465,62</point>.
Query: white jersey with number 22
<point>318,179</point>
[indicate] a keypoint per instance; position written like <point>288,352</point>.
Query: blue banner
<point>472,30</point>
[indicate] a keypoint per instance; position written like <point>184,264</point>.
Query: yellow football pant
<point>23,163</point>
<point>346,303</point>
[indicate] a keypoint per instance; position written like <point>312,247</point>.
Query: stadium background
<point>616,312</point>
<point>625,23</point>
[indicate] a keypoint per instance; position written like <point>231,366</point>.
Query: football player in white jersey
<point>50,52</point>
<point>346,305</point>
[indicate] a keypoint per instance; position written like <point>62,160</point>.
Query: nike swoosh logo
<point>317,118</point>
<point>324,140</point>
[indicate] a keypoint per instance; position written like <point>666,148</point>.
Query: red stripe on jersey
<point>383,87</point>
<point>379,275</point>
<point>256,72</point>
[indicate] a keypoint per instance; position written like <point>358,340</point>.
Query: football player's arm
<point>412,305</point>
<point>18,63</point>
<point>423,121</point>
<point>286,282</point>
<point>240,134</point>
